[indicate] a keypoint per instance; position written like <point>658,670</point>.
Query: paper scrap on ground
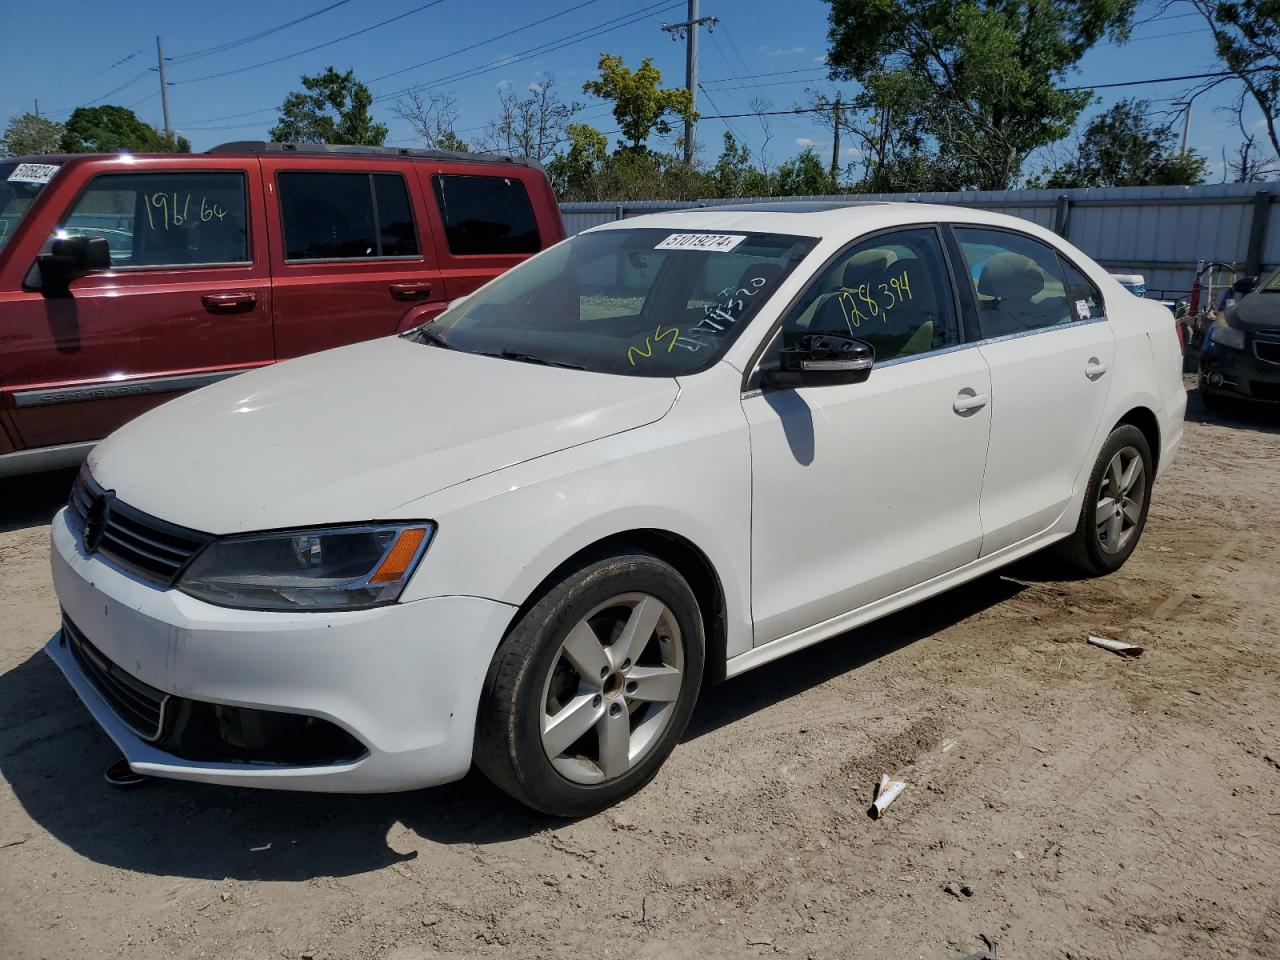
<point>1115,646</point>
<point>886,792</point>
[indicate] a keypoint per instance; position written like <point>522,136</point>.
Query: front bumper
<point>1239,373</point>
<point>403,680</point>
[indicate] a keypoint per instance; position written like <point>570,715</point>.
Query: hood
<point>1259,310</point>
<point>351,434</point>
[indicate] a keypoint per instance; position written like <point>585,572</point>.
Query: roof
<point>258,147</point>
<point>795,206</point>
<point>833,221</point>
<point>248,148</point>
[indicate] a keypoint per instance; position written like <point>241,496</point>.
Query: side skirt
<point>891,604</point>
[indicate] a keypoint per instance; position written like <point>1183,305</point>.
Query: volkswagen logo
<point>95,521</point>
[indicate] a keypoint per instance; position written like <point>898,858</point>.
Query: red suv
<point>125,279</point>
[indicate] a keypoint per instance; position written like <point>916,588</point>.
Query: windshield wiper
<point>424,334</point>
<point>530,358</point>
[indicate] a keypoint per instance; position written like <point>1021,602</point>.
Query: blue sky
<point>95,52</point>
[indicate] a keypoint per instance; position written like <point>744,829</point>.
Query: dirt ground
<point>1095,807</point>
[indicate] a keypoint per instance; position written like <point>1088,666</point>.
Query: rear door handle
<point>969,402</point>
<point>411,290</point>
<point>1094,368</point>
<point>228,302</point>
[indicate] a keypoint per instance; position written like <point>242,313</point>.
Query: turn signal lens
<point>400,557</point>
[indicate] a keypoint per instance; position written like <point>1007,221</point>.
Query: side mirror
<point>1245,285</point>
<point>821,360</point>
<point>71,258</point>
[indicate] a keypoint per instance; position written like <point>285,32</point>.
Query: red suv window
<point>486,215</point>
<point>195,218</point>
<point>346,216</point>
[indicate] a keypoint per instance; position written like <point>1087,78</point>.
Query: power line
<point>771,73</point>
<point>588,33</point>
<point>558,43</point>
<point>716,106</point>
<point>67,111</point>
<point>318,46</point>
<point>1093,86</point>
<point>481,43</point>
<point>232,44</point>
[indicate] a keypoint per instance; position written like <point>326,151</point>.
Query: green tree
<point>734,175</point>
<point>640,105</point>
<point>803,175</point>
<point>332,108</point>
<point>1123,148</point>
<point>986,72</point>
<point>28,134</point>
<point>572,173</point>
<point>108,129</point>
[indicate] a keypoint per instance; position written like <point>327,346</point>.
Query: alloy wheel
<point>1121,497</point>
<point>612,689</point>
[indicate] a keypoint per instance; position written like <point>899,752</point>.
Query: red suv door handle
<point>228,302</point>
<point>411,290</point>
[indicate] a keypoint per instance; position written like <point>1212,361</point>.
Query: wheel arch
<point>1145,419</point>
<point>688,559</point>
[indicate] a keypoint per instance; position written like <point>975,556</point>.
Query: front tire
<point>1114,512</point>
<point>593,687</point>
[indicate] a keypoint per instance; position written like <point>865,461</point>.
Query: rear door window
<point>345,216</point>
<point>1085,299</point>
<point>486,215</point>
<point>1019,282</point>
<point>193,218</point>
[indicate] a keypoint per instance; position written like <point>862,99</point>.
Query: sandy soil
<point>1096,807</point>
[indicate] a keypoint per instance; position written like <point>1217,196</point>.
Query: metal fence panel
<point>1159,232</point>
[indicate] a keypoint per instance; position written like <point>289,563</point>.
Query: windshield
<point>644,302</point>
<point>1272,283</point>
<point>20,183</point>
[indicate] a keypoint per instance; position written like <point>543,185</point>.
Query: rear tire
<point>593,687</point>
<point>1116,501</point>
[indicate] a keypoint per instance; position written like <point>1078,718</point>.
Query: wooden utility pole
<point>164,91</point>
<point>835,142</point>
<point>689,30</point>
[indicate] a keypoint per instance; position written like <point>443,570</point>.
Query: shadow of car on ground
<point>53,755</point>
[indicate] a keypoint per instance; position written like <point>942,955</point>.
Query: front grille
<point>150,547</point>
<point>1262,390</point>
<point>139,705</point>
<point>1266,345</point>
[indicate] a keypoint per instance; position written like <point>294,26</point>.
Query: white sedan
<point>666,451</point>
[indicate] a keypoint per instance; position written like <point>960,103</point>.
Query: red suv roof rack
<point>342,149</point>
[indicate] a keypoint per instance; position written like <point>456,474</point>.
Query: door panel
<point>1046,406</point>
<point>188,300</point>
<point>862,490</point>
<point>352,254</point>
<point>1050,348</point>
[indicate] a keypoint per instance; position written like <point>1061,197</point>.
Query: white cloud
<point>804,142</point>
<point>781,51</point>
<point>820,58</point>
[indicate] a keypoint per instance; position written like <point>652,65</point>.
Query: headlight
<point>335,568</point>
<point>1228,336</point>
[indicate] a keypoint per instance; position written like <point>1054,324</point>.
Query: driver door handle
<point>1094,368</point>
<point>228,302</point>
<point>411,290</point>
<point>968,403</point>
